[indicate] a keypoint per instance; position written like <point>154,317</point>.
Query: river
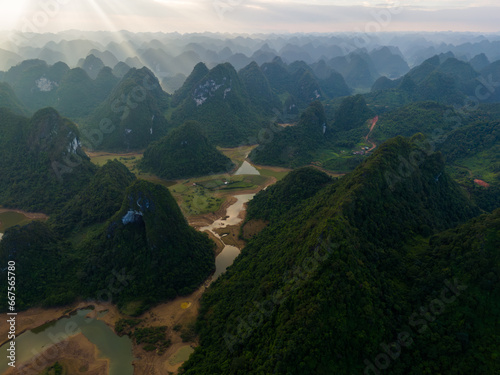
<point>229,253</point>
<point>117,349</point>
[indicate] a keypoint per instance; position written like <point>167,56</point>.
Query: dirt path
<point>373,145</point>
<point>481,183</point>
<point>374,122</point>
<point>329,173</point>
<point>274,169</point>
<point>95,154</point>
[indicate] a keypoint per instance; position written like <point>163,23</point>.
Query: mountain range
<point>387,263</point>
<point>337,278</point>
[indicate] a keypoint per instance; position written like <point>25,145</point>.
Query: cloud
<point>249,16</point>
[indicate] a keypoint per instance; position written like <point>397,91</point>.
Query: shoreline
<point>36,318</point>
<point>74,353</point>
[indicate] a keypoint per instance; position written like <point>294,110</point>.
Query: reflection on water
<point>117,349</point>
<point>247,168</point>
<point>224,260</point>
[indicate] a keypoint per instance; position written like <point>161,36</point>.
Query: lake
<point>117,349</point>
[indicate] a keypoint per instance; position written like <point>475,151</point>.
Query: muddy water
<point>11,218</point>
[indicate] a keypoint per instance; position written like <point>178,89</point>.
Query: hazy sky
<point>248,16</point>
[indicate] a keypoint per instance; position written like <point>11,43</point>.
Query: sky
<point>250,16</point>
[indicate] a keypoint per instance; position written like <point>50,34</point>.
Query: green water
<point>10,219</point>
<point>117,349</point>
<point>247,168</point>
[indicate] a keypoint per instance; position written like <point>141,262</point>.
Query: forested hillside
<point>42,164</point>
<point>151,240</point>
<point>219,101</point>
<point>102,222</point>
<point>371,244</point>
<point>295,145</point>
<point>185,152</point>
<point>146,243</point>
<point>300,184</point>
<point>99,200</point>
<point>9,100</point>
<point>444,79</point>
<point>321,289</point>
<point>131,117</point>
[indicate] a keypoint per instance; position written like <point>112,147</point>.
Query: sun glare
<point>13,8</point>
<point>11,12</point>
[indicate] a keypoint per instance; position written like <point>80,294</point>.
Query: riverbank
<point>200,221</point>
